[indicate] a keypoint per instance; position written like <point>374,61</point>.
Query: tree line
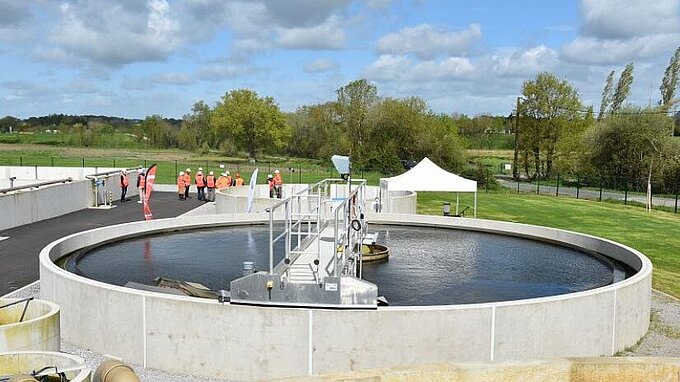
<point>555,132</point>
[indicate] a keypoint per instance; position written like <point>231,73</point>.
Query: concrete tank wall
<point>39,329</point>
<point>46,202</point>
<point>235,199</point>
<point>204,337</point>
<point>22,362</point>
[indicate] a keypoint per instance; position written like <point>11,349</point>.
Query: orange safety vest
<point>277,180</point>
<point>222,182</point>
<point>210,179</point>
<point>180,184</point>
<point>239,181</point>
<point>142,180</point>
<point>199,180</point>
<point>124,181</point>
<point>270,182</point>
<point>187,180</point>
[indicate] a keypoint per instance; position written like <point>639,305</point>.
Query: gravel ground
<point>662,339</point>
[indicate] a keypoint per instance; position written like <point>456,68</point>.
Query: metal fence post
<point>557,187</point>
<point>52,161</point>
<point>300,173</point>
<point>625,193</point>
<point>21,160</point>
<point>83,161</point>
<point>601,180</point>
<point>578,185</point>
<point>538,185</point>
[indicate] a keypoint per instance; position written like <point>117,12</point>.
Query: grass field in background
<point>170,161</point>
<point>656,234</point>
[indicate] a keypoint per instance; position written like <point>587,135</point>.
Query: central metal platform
<point>321,261</point>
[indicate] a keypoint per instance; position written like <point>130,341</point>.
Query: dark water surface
<point>427,266</point>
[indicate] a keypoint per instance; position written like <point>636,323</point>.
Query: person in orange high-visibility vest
<point>187,183</point>
<point>238,181</point>
<point>222,182</point>
<point>124,182</point>
<point>180,185</point>
<point>200,184</point>
<point>278,184</point>
<point>141,180</point>
<point>229,179</point>
<point>210,181</point>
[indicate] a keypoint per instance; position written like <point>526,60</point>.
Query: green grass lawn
<point>656,234</point>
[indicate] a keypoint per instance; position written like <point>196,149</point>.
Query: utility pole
<point>515,170</point>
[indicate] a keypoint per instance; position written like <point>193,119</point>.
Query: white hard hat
<point>276,171</point>
<point>224,174</point>
<point>188,170</point>
<point>270,176</point>
<point>227,173</point>
<point>211,173</point>
<point>200,169</point>
<point>181,172</point>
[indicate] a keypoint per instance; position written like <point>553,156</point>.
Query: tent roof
<point>427,176</point>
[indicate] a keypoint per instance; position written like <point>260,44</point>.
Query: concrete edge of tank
<point>195,336</point>
<point>39,331</point>
<point>27,361</point>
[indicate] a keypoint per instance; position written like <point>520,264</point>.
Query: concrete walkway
<point>19,252</point>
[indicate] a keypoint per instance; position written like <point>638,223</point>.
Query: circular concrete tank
<point>204,337</point>
<point>37,330</point>
<point>26,362</point>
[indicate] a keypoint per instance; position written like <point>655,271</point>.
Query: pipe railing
<point>112,172</point>
<point>348,235</point>
<point>35,185</point>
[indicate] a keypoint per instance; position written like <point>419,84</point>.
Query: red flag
<point>148,187</point>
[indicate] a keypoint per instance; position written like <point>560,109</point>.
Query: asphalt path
<point>587,193</point>
<point>19,264</point>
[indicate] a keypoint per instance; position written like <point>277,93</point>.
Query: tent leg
<point>457,203</point>
<point>475,207</point>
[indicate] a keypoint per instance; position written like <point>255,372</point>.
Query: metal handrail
<point>35,185</point>
<point>98,174</point>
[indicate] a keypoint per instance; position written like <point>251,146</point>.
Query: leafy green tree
<point>253,123</point>
<point>158,132</point>
<point>631,145</point>
<point>316,132</point>
<point>622,88</point>
<point>606,95</point>
<point>669,84</point>
<point>354,103</point>
<point>196,129</point>
<point>549,106</point>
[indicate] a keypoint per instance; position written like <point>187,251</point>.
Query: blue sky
<point>133,58</point>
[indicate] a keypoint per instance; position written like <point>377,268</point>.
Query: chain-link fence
<point>624,190</point>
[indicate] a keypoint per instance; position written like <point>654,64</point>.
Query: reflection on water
<point>426,266</point>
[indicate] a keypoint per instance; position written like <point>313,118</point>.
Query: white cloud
<point>402,68</point>
<point>14,12</point>
<point>616,19</point>
<point>617,31</point>
<point>320,65</point>
<point>427,43</point>
<point>525,63</point>
<point>117,34</point>
<point>172,79</point>
<point>589,50</point>
<point>328,35</point>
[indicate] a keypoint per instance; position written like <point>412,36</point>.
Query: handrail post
<point>271,241</point>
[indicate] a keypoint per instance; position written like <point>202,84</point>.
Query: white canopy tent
<point>427,176</point>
